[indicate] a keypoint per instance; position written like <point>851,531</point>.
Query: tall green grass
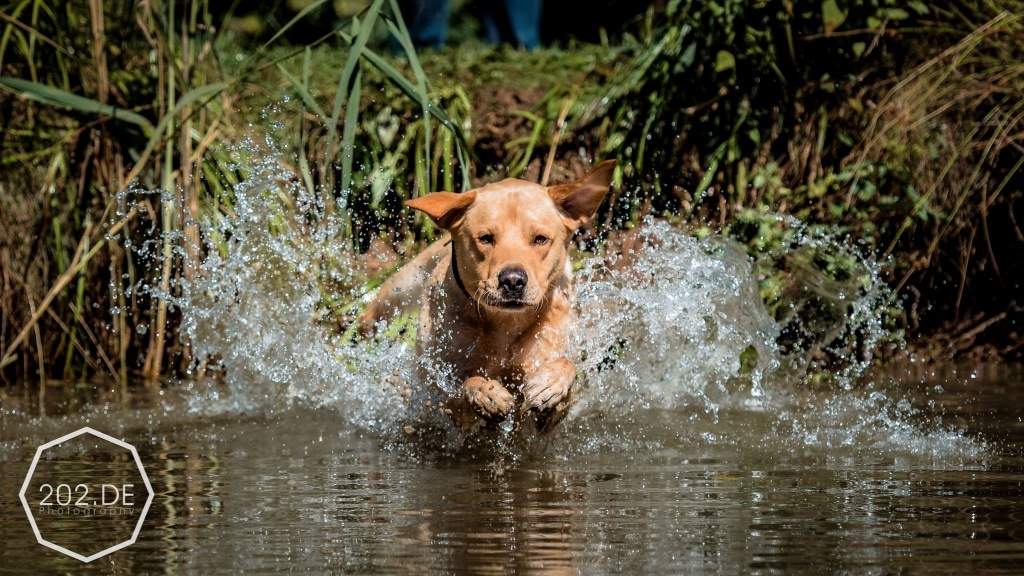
<point>110,97</point>
<point>893,122</point>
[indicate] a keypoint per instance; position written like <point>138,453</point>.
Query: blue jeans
<point>514,21</point>
<point>427,21</point>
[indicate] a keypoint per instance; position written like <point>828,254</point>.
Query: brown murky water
<point>748,491</point>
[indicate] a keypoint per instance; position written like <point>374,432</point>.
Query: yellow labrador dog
<point>495,297</point>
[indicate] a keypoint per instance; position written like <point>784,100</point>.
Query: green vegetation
<point>895,125</point>
<point>162,116</point>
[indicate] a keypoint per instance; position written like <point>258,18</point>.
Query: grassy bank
<point>894,125</point>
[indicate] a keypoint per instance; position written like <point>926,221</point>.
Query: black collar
<point>455,272</point>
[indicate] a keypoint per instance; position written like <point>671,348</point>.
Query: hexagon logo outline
<point>32,469</point>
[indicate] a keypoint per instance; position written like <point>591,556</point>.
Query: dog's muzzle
<point>512,283</point>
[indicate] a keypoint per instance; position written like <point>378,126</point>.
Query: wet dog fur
<point>494,295</point>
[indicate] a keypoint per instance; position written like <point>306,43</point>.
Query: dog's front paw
<point>489,399</point>
<point>549,386</point>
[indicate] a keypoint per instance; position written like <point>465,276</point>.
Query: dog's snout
<point>513,281</point>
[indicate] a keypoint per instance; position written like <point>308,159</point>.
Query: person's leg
<point>427,21</point>
<point>495,21</point>
<point>524,21</point>
<point>514,21</point>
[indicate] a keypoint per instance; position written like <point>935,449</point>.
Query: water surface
<point>299,489</point>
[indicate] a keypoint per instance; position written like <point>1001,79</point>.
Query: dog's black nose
<point>512,281</point>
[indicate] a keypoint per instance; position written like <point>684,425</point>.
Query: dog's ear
<point>444,208</point>
<point>579,201</point>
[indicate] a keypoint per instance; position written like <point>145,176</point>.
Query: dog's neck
<point>455,272</point>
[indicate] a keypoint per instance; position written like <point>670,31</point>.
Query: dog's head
<point>511,238</point>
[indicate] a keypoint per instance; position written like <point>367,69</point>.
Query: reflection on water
<point>301,490</point>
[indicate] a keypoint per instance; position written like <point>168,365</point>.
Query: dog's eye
<point>540,240</point>
<point>486,239</point>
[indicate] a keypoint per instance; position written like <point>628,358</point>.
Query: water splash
<point>676,348</point>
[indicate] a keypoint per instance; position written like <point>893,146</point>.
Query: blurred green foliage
<point>891,126</point>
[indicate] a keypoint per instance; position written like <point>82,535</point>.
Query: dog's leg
<point>488,398</point>
<point>548,393</point>
<point>548,375</point>
<point>549,385</point>
<point>403,291</point>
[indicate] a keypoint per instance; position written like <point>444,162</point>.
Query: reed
<point>809,112</point>
<point>99,133</point>
<point>804,113</point>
